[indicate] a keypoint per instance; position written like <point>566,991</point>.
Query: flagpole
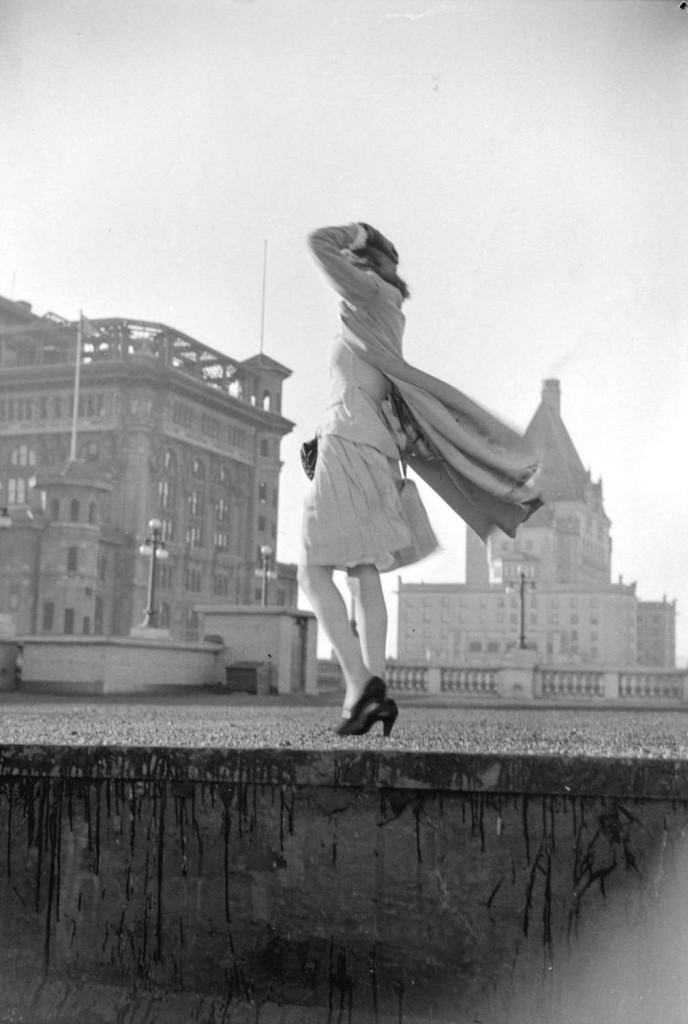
<point>77,379</point>
<point>262,310</point>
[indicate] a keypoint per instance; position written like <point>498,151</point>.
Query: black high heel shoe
<point>365,711</point>
<point>388,714</point>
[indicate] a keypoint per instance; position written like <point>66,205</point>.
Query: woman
<point>353,517</point>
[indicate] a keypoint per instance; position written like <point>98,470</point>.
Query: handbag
<point>423,539</point>
<point>309,457</point>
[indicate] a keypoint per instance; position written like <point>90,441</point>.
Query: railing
<point>52,341</point>
<point>470,681</point>
<point>407,678</point>
<point>522,683</point>
<point>648,685</point>
<point>577,683</point>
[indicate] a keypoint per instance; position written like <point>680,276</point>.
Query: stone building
<point>656,632</point>
<point>549,588</point>
<point>166,428</point>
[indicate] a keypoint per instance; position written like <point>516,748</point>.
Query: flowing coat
<point>482,468</point>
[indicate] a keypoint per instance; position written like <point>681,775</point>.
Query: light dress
<point>352,513</point>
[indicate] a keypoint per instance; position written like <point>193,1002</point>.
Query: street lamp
<point>265,572</point>
<point>524,582</point>
<point>154,547</point>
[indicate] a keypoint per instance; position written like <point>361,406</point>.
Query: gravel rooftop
<point>241,721</point>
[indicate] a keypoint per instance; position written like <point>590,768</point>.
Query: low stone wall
<point>298,886</point>
<point>79,664</point>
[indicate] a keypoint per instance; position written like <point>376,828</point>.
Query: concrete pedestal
<point>282,640</point>
<point>516,677</point>
<point>150,633</point>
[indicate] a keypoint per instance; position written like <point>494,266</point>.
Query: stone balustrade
<point>522,678</point>
<point>471,681</point>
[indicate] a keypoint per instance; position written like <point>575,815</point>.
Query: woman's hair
<point>370,256</point>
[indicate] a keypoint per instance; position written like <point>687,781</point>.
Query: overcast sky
<point>529,159</point>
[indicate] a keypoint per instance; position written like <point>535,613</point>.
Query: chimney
<point>551,394</point>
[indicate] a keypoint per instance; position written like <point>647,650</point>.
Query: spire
<point>563,475</point>
<point>551,394</point>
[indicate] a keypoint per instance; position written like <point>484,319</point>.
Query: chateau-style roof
<point>563,476</point>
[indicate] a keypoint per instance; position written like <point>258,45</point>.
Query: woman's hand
<point>379,241</point>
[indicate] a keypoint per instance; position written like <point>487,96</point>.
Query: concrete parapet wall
<point>300,886</point>
<point>77,664</point>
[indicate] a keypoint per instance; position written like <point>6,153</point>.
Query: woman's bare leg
<point>332,614</point>
<point>371,616</point>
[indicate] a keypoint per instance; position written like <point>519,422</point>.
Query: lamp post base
<point>144,632</point>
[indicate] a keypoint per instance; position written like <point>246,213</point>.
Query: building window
<point>102,567</point>
<point>23,456</point>
<point>22,478</point>
<point>198,469</point>
<point>86,625</point>
<point>16,491</point>
<point>222,512</point>
<point>165,575</point>
<point>74,509</point>
<point>194,536</point>
<point>196,503</point>
<point>192,625</point>
<point>210,426</point>
<point>48,616</point>
<point>164,494</point>
<point>264,447</point>
<point>98,618</point>
<point>261,524</point>
<point>221,540</point>
<point>220,585</point>
<point>164,615</point>
<point>167,529</point>
<point>54,508</point>
<point>182,415</point>
<point>193,580</point>
<point>72,559</point>
<point>262,492</point>
<point>68,621</point>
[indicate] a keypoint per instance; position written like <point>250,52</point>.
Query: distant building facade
<point>656,632</point>
<point>167,428</point>
<point>550,586</point>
